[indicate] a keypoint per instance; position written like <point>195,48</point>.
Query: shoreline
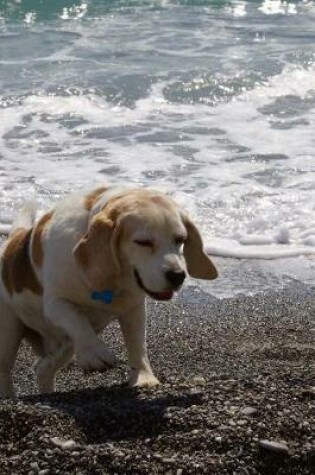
<point>234,372</point>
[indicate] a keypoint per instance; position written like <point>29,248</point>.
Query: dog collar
<point>106,296</point>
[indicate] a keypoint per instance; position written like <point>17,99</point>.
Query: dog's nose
<point>175,278</point>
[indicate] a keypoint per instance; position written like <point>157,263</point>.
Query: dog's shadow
<point>118,412</point>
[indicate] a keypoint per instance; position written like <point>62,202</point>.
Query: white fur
<point>65,319</point>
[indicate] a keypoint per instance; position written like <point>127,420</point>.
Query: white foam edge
<point>5,229</point>
<point>225,248</point>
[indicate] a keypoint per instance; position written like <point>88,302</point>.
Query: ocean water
<point>210,101</point>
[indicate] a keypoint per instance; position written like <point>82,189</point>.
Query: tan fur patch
<point>94,254</point>
<point>17,271</point>
<point>132,200</point>
<point>37,245</point>
<point>91,198</point>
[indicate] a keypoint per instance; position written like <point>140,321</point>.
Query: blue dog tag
<point>106,296</point>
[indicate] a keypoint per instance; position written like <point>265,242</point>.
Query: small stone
<point>248,411</point>
<point>34,466</point>
<point>119,453</point>
<point>195,390</point>
<point>62,443</point>
<point>200,380</point>
<point>242,422</point>
<point>45,407</point>
<point>279,448</point>
<point>168,460</point>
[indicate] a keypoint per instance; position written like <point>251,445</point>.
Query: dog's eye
<point>179,240</point>
<point>144,242</point>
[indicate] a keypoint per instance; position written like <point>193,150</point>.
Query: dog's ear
<point>96,254</point>
<point>198,262</point>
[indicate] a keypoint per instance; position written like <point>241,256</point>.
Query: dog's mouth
<point>165,295</point>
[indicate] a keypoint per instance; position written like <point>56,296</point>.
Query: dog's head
<point>142,234</point>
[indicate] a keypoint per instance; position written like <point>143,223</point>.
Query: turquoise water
<point>212,101</point>
<point>15,10</point>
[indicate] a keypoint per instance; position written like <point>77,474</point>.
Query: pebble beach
<point>237,397</point>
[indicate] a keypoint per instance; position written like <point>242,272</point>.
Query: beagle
<point>90,260</point>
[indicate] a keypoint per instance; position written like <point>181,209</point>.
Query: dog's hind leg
<point>49,363</point>
<point>11,334</point>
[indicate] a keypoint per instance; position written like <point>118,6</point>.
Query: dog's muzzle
<point>164,295</point>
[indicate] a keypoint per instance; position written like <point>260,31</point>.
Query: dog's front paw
<point>95,357</point>
<point>143,378</point>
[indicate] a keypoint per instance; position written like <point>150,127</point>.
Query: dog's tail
<point>26,217</point>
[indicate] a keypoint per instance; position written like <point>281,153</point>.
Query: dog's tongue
<point>166,295</point>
